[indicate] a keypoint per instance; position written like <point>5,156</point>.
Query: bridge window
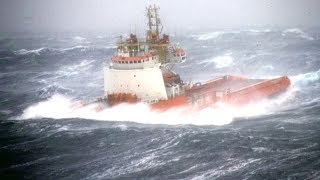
<point>139,61</point>
<point>134,61</point>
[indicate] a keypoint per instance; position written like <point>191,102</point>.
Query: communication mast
<point>154,23</point>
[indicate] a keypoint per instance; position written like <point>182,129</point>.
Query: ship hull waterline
<point>231,90</point>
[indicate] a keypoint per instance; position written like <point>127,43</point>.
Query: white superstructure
<point>138,69</point>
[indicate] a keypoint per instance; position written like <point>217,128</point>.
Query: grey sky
<point>110,15</point>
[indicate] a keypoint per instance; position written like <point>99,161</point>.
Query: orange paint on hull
<point>258,91</point>
<point>175,102</point>
<point>232,90</point>
<point>117,98</point>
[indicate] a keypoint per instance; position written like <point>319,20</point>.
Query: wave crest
<point>43,50</point>
<point>59,107</point>
<point>298,32</point>
<point>222,61</point>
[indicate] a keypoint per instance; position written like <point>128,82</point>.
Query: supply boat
<point>141,71</point>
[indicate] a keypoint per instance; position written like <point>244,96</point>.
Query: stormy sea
<point>45,134</point>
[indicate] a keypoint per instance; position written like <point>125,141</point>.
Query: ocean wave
<point>233,165</point>
<point>218,34</point>
<point>306,78</point>
<point>79,39</point>
<point>75,69</point>
<point>258,30</point>
<point>59,106</point>
<point>52,88</point>
<point>42,50</point>
<point>298,32</point>
<point>78,47</point>
<point>207,36</point>
<point>223,61</point>
<point>33,51</point>
<point>85,48</point>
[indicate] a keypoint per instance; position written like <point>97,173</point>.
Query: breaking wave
<point>218,34</point>
<point>287,32</point>
<point>79,39</point>
<point>304,79</point>
<point>33,51</point>
<point>207,36</point>
<point>42,50</point>
<point>297,32</point>
<point>75,69</point>
<point>258,30</point>
<point>223,61</point>
<point>59,106</point>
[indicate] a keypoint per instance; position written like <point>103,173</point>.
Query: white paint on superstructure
<point>147,83</point>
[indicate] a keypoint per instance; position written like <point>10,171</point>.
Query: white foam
<point>222,61</point>
<point>297,32</point>
<point>39,50</point>
<point>207,36</point>
<point>306,77</point>
<point>268,67</point>
<point>73,48</point>
<point>24,51</point>
<point>75,69</point>
<point>258,30</point>
<point>79,39</point>
<point>59,106</point>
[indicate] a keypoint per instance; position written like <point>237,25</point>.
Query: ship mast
<point>153,22</point>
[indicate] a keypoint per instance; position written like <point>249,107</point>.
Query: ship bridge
<point>138,68</point>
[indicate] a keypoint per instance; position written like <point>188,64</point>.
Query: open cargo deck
<point>233,85</point>
<point>233,90</point>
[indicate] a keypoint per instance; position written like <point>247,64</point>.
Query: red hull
<point>232,90</point>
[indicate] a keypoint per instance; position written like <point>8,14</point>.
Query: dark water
<point>44,137</point>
